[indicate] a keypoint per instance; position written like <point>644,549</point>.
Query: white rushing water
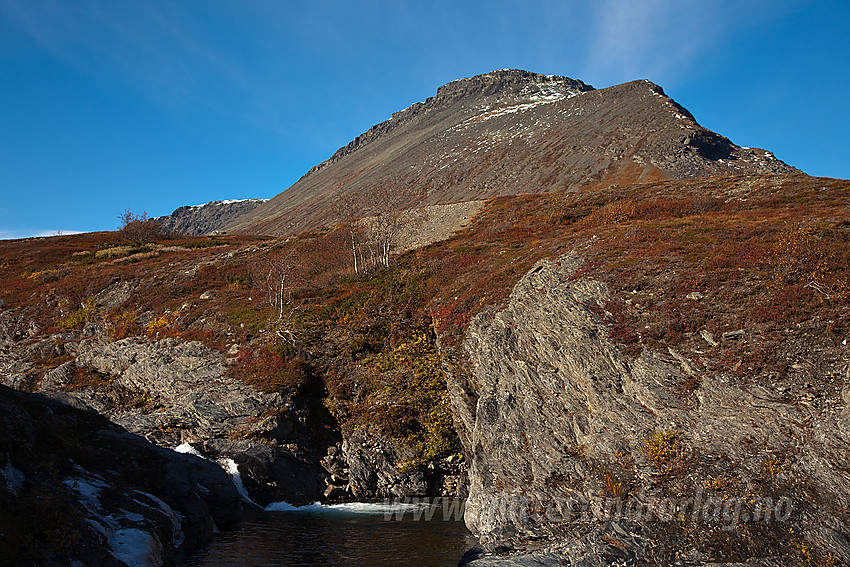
<point>229,466</point>
<point>368,508</point>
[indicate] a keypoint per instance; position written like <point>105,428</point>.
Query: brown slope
<point>510,132</point>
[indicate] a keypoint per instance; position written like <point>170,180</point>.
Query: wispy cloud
<point>664,40</point>
<point>161,50</point>
<point>648,39</point>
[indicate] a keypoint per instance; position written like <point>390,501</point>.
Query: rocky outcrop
<point>177,393</point>
<point>77,489</point>
<point>583,455</point>
<point>174,392</point>
<point>183,386</point>
<point>284,446</point>
<point>14,327</point>
<point>208,218</point>
<point>23,355</point>
<point>373,467</point>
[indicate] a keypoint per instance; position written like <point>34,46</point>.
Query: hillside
<point>724,289</point>
<point>510,132</point>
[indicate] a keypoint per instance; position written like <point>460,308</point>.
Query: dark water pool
<point>354,534</point>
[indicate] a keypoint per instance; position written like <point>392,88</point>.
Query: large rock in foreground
<point>75,487</point>
<point>582,453</point>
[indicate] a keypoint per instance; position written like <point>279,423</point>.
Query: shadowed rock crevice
<point>78,487</point>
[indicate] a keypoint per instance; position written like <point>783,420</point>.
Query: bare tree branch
<point>375,222</point>
<point>138,229</point>
<point>282,272</point>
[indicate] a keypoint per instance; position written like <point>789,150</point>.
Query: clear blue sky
<point>148,105</point>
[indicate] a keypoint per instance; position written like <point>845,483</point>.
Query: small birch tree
<point>282,272</point>
<point>397,210</point>
<point>375,222</point>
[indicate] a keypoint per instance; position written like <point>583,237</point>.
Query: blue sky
<point>147,105</point>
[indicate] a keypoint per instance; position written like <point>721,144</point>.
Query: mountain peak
<point>498,85</point>
<point>507,132</point>
<point>507,82</point>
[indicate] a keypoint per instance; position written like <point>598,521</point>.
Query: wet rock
<point>334,463</point>
<point>270,473</point>
<point>334,493</point>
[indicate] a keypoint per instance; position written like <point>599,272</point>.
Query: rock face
<point>505,133</point>
<point>182,384</point>
<point>176,393</point>
<point>583,455</point>
<point>14,327</point>
<point>76,488</point>
<point>372,468</point>
<point>180,394</point>
<point>207,218</point>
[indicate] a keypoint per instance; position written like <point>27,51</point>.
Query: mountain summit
<point>509,132</point>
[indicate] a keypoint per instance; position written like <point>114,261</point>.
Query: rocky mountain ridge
<point>503,84</point>
<point>208,218</point>
<point>505,133</point>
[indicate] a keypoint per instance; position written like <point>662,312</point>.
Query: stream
<point>415,534</point>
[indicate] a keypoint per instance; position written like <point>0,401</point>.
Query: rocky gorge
<point>174,393</point>
<point>171,407</point>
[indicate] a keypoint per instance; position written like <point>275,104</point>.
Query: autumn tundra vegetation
<point>767,254</point>
<point>372,336</point>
